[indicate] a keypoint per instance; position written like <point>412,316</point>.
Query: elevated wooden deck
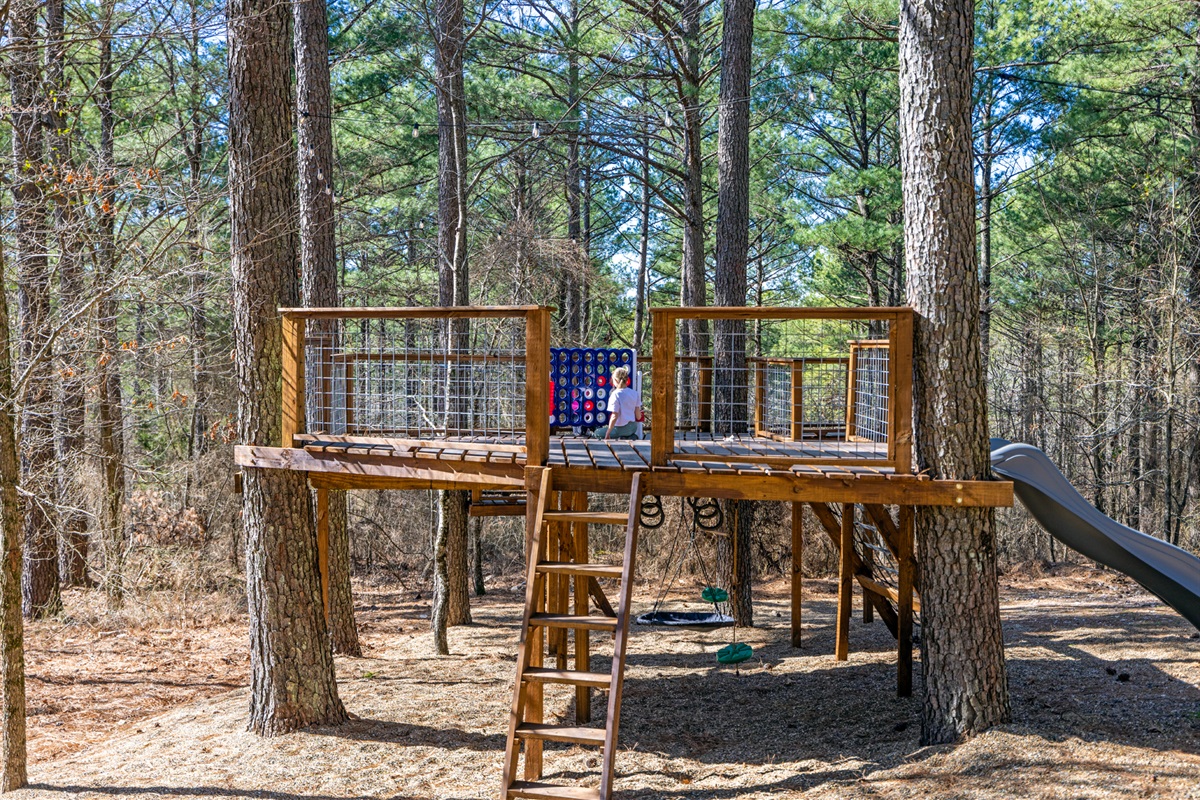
<point>744,468</point>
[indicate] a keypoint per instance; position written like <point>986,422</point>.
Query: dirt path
<point>792,724</point>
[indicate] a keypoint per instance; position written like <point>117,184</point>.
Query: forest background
<point>591,185</point>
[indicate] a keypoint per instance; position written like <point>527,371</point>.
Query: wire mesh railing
<point>418,374</point>
<point>822,385</point>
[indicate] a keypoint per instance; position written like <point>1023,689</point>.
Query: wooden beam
<point>830,489</point>
<point>797,565</point>
<point>777,312</point>
<point>662,384</point>
<point>583,658</point>
<point>537,386</point>
<point>841,647</point>
<point>851,378</point>
<point>900,357</point>
<point>797,401</point>
<point>496,510</point>
<point>530,650</point>
<point>454,312</point>
<point>411,444</point>
<point>905,605</point>
<point>292,421</point>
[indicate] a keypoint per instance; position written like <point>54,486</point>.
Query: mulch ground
<point>1105,684</point>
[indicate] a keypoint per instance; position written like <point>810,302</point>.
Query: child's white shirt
<point>622,404</point>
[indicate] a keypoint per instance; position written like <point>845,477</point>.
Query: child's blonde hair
<point>621,374</point>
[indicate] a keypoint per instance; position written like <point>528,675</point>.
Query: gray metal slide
<point>1167,571</point>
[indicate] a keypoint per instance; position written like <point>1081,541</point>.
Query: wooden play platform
<point>800,405</point>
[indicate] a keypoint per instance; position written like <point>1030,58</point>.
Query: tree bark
<point>39,580</point>
<point>477,557</point>
<point>693,333</point>
<point>110,418</point>
<point>73,549</point>
<point>733,244</point>
<point>451,597</point>
<point>12,634</point>
<point>966,688</point>
<point>292,671</point>
<point>318,268</point>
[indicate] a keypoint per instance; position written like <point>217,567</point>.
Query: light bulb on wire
<point>536,132</point>
<point>416,130</point>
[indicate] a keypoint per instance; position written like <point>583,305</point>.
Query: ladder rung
<point>549,791</point>
<point>574,621</point>
<point>594,517</point>
<point>561,733</point>
<point>572,677</point>
<point>571,568</point>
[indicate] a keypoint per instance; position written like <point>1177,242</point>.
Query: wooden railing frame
<point>536,360</point>
<point>900,335</point>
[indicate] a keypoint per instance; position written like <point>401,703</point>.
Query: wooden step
<point>561,733</point>
<point>599,680</point>
<point>593,517</point>
<point>571,568</point>
<point>549,791</point>
<point>591,623</point>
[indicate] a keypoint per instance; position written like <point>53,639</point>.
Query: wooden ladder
<point>526,729</point>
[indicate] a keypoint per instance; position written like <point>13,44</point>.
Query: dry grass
<point>793,723</point>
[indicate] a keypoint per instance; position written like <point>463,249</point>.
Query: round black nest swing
<point>685,620</point>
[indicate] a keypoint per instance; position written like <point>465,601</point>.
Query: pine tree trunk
<point>477,557</point>
<point>451,600</point>
<point>12,635</point>
<point>733,244</point>
<point>198,278</point>
<point>111,424</point>
<point>72,556</point>
<point>39,580</point>
<point>292,672</point>
<point>318,267</point>
<point>693,334</point>
<point>966,688</point>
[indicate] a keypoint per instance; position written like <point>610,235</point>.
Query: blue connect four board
<point>580,382</point>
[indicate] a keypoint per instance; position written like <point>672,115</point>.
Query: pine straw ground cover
<point>791,723</point>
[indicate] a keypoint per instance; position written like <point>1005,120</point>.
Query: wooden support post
<point>562,604</point>
<point>662,377</point>
<point>904,660</point>
<point>351,398</point>
<point>851,377</point>
<point>868,566</point>
<point>556,638</point>
<point>323,547</point>
<point>797,564</point>
<point>900,357</point>
<point>293,379</point>
<point>533,708</point>
<point>704,423</point>
<point>760,398</point>
<point>583,658</point>
<point>845,583</point>
<point>797,400</point>
<point>537,386</point>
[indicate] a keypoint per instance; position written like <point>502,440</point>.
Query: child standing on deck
<point>624,408</point>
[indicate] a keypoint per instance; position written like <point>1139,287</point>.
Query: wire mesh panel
<point>800,398</point>
<point>420,377</point>
<point>787,376</point>
<point>868,416</point>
